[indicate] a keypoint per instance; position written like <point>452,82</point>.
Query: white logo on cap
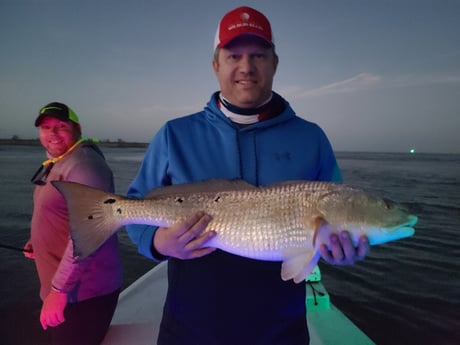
<point>244,16</point>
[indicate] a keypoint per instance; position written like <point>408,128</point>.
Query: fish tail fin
<point>90,216</point>
<point>299,265</point>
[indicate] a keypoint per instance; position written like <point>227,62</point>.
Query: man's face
<point>245,69</point>
<point>57,136</point>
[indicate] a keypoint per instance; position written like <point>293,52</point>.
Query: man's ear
<point>215,60</point>
<point>275,61</point>
<point>215,65</point>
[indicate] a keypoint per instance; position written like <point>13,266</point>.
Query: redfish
<point>280,222</point>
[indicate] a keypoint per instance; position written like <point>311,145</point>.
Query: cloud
<point>364,81</point>
<point>424,79</point>
<point>359,82</point>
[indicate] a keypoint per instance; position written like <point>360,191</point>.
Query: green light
<point>412,151</point>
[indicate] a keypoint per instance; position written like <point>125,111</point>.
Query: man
<point>248,132</point>
<point>79,299</point>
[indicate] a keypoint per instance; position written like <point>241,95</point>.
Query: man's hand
<point>336,245</point>
<point>52,313</point>
<point>342,251</point>
<point>185,240</point>
<point>29,250</point>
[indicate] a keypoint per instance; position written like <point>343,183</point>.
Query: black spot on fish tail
<point>179,200</point>
<point>119,210</point>
<point>110,201</point>
<point>217,199</point>
<point>90,217</point>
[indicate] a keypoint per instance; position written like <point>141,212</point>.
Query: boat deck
<point>138,315</point>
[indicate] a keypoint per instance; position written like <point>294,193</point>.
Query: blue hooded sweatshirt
<point>223,298</point>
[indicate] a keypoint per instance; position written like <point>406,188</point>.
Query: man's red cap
<point>242,21</point>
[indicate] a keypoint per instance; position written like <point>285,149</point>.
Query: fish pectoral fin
<point>299,265</point>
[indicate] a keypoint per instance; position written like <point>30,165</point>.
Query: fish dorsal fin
<point>208,186</point>
<point>286,183</point>
<point>311,186</point>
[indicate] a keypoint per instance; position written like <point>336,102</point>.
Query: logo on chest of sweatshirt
<point>282,156</point>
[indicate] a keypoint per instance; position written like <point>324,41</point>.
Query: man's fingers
<point>43,323</point>
<point>363,247</point>
<point>186,239</point>
<point>183,227</point>
<point>348,249</point>
<point>326,254</point>
<point>338,255</point>
<point>51,320</point>
<point>198,253</point>
<point>200,241</point>
<point>341,250</point>
<point>195,226</point>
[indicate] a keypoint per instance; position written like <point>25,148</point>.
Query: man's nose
<point>246,63</point>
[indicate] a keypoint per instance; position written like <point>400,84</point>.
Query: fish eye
<point>388,203</point>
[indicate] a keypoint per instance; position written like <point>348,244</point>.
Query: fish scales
<point>281,222</point>
<point>256,223</point>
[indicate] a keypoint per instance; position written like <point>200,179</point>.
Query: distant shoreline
<point>127,144</point>
<point>104,143</point>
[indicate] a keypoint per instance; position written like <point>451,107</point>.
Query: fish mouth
<point>412,221</point>
<point>405,229</point>
<point>393,233</point>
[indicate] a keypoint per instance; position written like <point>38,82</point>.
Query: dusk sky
<point>375,75</point>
